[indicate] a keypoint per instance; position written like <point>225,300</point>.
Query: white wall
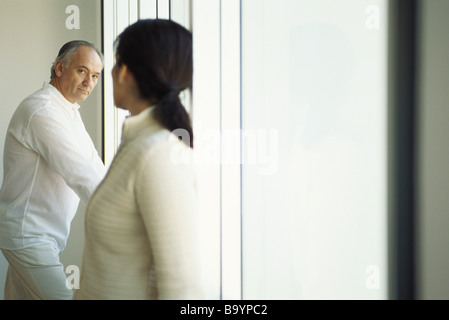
<point>433,169</point>
<point>32,32</point>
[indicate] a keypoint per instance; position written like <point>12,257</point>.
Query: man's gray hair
<point>67,50</point>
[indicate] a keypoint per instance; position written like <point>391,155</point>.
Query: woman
<point>141,221</point>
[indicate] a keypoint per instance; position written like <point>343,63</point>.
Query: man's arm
<point>52,139</point>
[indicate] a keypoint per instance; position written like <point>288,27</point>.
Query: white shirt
<point>50,162</point>
<point>142,222</point>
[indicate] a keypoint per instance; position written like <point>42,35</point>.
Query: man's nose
<point>88,81</point>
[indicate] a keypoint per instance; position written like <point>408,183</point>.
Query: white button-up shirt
<point>50,163</point>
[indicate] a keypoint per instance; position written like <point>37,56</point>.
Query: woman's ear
<point>126,78</point>
<point>123,74</point>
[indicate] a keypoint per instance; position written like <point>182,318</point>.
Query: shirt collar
<point>134,124</point>
<point>60,98</point>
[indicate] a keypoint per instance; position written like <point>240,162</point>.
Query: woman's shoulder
<point>160,144</point>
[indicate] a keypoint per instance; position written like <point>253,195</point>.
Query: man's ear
<point>58,69</point>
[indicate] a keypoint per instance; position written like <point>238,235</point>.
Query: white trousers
<point>35,273</point>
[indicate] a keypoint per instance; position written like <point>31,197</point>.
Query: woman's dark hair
<point>159,55</point>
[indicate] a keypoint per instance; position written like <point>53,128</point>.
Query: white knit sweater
<point>141,222</point>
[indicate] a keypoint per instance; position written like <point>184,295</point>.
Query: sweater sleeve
<point>166,198</point>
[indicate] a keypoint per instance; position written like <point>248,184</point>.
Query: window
<point>314,212</point>
<point>117,15</point>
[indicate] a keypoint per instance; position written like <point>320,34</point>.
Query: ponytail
<point>171,114</point>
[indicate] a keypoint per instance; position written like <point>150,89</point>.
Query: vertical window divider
<point>230,132</point>
<point>403,46</point>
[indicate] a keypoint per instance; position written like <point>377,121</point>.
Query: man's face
<point>79,78</point>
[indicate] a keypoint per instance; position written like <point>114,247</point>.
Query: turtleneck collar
<point>134,124</point>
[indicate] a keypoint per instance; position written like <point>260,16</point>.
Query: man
<point>50,163</point>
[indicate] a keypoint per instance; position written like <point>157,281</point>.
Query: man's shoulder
<point>38,100</point>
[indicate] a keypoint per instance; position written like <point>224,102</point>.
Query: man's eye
<point>82,71</point>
